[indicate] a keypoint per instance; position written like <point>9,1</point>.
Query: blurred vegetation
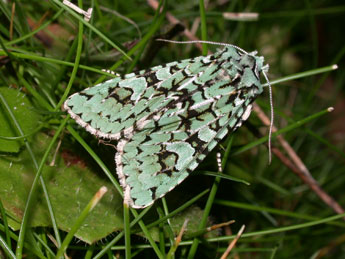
<point>48,52</point>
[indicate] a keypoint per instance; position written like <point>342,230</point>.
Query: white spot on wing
<point>247,112</point>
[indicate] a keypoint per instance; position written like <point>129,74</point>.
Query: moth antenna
<point>272,118</point>
<point>204,41</point>
<point>219,162</point>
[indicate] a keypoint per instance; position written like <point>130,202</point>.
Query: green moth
<point>166,119</point>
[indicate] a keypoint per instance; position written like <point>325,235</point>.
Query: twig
<point>233,242</point>
<point>87,14</point>
<point>241,16</point>
<point>52,163</point>
<point>173,20</point>
<point>220,225</point>
<point>177,240</point>
<point>297,166</point>
<point>12,19</point>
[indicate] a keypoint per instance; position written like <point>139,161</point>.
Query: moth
<point>166,119</point>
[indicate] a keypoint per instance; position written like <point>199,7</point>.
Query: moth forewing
<point>167,119</point>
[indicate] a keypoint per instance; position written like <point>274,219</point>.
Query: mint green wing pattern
<point>167,119</point>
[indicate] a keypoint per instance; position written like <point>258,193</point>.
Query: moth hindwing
<point>165,120</point>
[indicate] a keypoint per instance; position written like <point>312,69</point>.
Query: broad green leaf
<point>22,109</point>
<point>70,184</point>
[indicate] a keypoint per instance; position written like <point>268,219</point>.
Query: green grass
<point>50,169</point>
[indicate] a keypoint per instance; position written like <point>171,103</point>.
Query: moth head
<point>265,68</point>
<point>259,62</point>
